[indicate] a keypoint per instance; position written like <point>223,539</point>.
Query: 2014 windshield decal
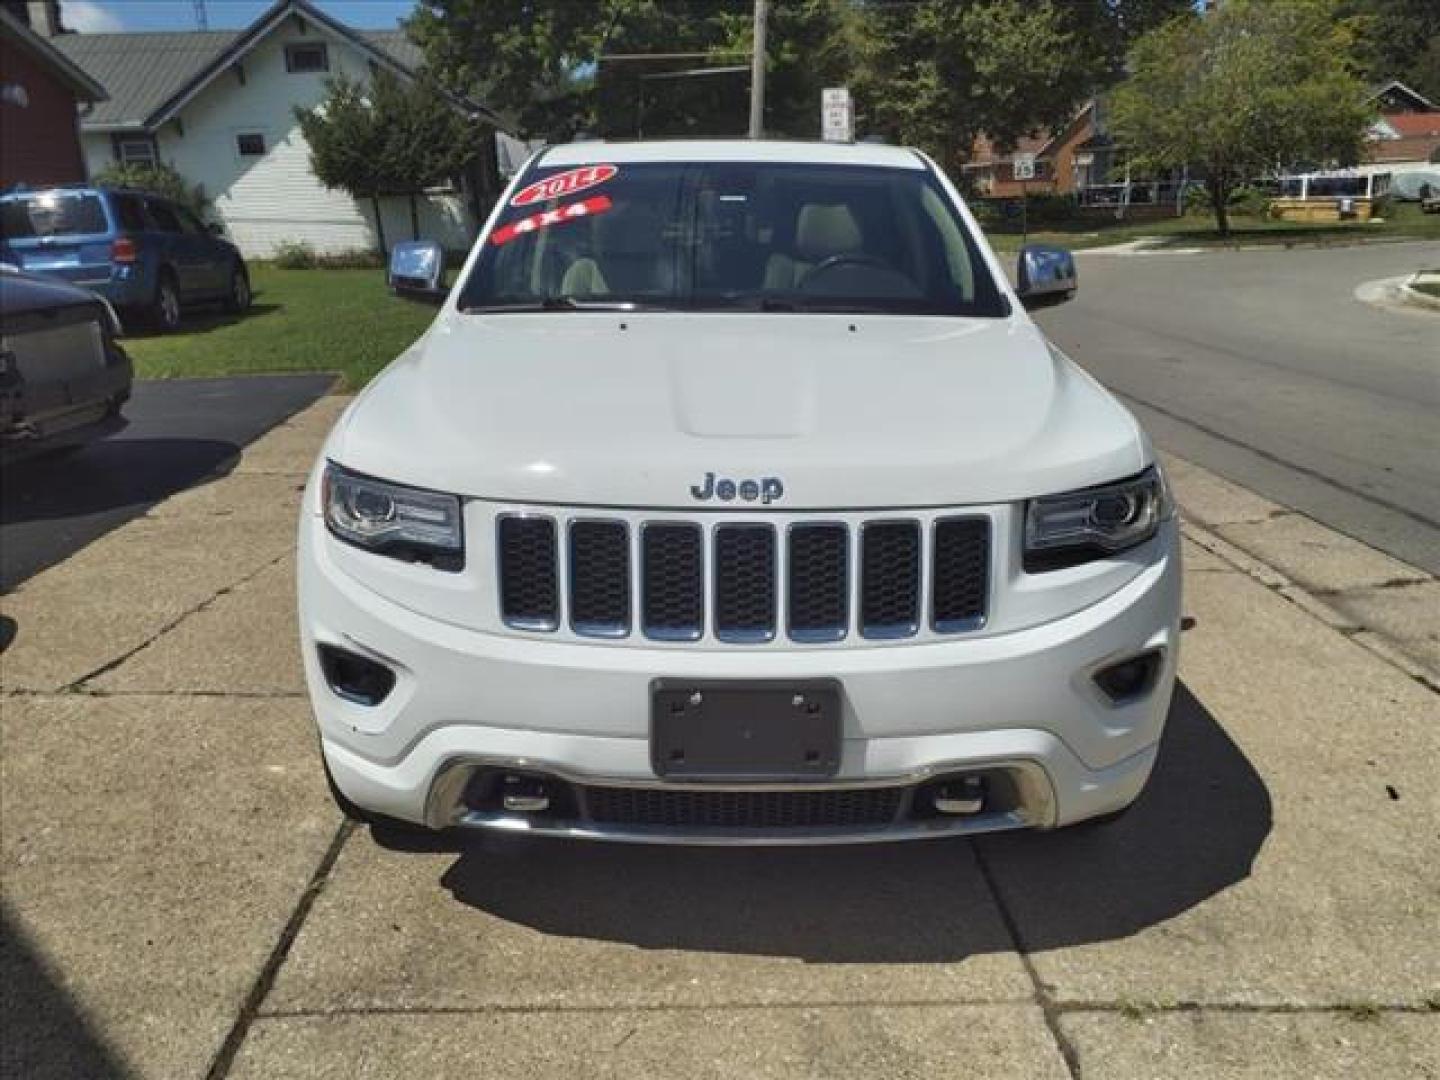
<point>596,204</point>
<point>565,183</point>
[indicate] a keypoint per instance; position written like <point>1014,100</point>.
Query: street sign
<point>1024,166</point>
<point>837,115</point>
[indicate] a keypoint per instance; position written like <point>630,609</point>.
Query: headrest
<point>632,229</point>
<point>822,231</point>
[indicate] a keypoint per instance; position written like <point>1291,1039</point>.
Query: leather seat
<point>822,231</point>
<point>630,256</point>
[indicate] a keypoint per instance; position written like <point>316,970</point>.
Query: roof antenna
<point>202,21</point>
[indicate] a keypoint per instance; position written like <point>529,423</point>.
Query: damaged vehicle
<point>63,374</point>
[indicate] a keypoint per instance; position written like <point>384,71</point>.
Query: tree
<point>539,62</point>
<point>159,179</point>
<point>936,73</point>
<point>1255,86</point>
<point>387,138</point>
<point>532,60</point>
<point>1397,39</point>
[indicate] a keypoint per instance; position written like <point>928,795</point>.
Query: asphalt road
<point>180,431</point>
<point>1262,366</point>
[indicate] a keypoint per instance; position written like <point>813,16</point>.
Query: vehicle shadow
<point>46,1032</point>
<point>202,321</point>
<point>1195,832</point>
<point>110,475</point>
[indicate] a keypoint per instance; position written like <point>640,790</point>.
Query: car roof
<point>747,150</point>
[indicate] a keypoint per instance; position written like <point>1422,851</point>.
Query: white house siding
<point>98,153</point>
<point>265,201</point>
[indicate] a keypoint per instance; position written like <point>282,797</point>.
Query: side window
<point>163,216</point>
<point>129,215</point>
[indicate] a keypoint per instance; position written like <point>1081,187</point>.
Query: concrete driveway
<point>179,432</point>
<point>181,900</point>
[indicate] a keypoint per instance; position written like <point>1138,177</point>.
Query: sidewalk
<point>180,899</point>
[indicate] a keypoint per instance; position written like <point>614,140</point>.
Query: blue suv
<point>147,255</point>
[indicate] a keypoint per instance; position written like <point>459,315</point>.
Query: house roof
<point>1395,86</point>
<point>84,86</point>
<point>1414,125</point>
<point>152,75</point>
<point>984,152</point>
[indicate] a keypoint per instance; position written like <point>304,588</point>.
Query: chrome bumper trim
<point>445,808</point>
<point>932,829</point>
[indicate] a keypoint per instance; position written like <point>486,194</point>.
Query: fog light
<point>1129,679</point>
<point>963,796</point>
<point>524,794</point>
<point>354,677</point>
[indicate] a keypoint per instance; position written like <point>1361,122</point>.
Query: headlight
<point>403,522</point>
<point>1065,530</point>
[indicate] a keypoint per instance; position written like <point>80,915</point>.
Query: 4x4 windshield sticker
<point>565,183</point>
<point>585,208</point>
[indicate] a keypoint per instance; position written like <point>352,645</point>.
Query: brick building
<point>40,91</point>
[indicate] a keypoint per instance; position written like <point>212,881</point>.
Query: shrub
<point>299,255</point>
<point>295,255</point>
<point>158,179</point>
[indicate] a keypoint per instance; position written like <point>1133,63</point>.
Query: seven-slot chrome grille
<point>743,582</point>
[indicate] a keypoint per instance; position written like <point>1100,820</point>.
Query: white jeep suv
<point>733,497</point>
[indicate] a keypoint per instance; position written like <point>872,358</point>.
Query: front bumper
<point>1019,706</point>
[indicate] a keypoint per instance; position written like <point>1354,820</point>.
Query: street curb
<point>1277,582</point>
<point>1414,297</point>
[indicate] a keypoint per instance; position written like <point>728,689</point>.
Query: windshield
<point>51,213</point>
<point>732,235</point>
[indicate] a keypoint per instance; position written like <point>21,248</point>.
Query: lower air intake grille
<point>529,590</point>
<point>835,808</point>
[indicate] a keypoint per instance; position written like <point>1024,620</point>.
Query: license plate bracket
<point>756,730</point>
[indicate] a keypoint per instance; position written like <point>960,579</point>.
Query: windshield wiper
<point>566,303</point>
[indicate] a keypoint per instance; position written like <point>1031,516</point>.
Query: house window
<point>250,144</point>
<point>136,151</point>
<point>306,56</point>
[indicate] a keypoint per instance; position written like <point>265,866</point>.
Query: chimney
<point>44,17</point>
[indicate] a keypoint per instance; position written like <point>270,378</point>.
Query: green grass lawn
<point>344,321</point>
<point>1402,221</point>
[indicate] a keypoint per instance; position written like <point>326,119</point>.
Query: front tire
<point>165,308</point>
<point>238,295</point>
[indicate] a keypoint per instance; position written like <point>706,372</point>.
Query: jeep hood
<point>581,408</point>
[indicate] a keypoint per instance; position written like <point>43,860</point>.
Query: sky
<point>109,16</point>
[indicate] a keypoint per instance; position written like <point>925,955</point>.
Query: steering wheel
<point>846,258</point>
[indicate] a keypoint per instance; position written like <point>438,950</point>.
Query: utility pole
<point>757,71</point>
<point>202,21</point>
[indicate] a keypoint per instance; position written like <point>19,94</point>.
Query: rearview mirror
<point>417,270</point>
<point>1046,275</point>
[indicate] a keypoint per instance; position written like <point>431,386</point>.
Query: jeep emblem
<point>766,489</point>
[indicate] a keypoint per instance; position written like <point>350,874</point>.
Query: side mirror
<point>214,228</point>
<point>1046,276</point>
<point>417,270</point>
